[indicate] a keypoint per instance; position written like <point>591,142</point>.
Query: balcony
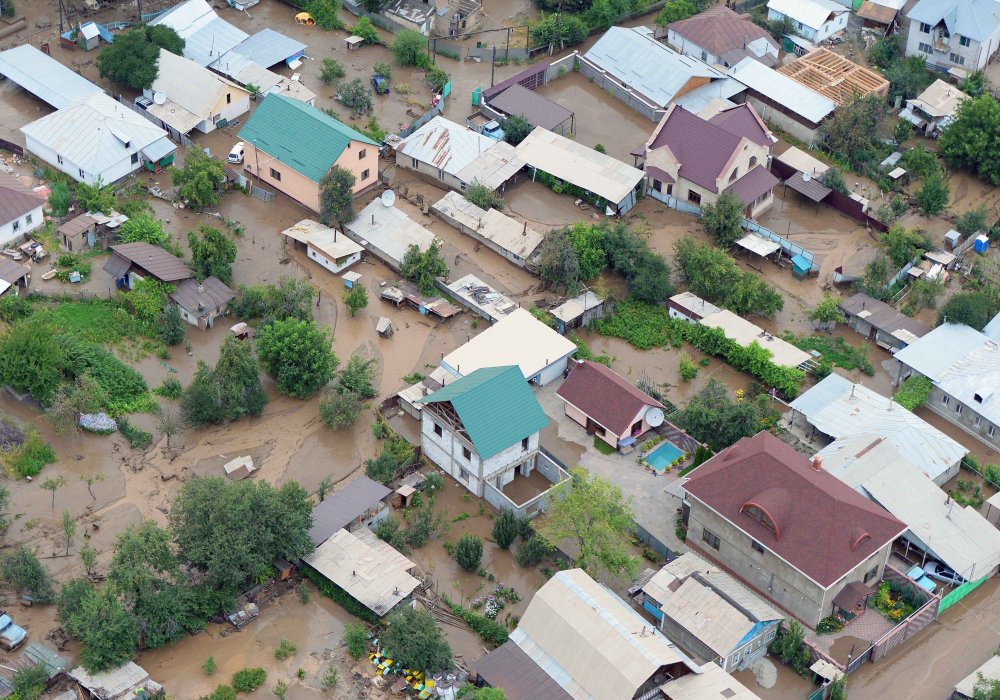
<point>527,495</point>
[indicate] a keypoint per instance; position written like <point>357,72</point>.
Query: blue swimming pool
<point>663,456</point>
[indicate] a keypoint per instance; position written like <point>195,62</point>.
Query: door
<point>591,427</point>
<point>636,429</point>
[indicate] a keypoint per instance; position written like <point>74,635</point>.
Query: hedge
<point>339,595</point>
<point>491,631</point>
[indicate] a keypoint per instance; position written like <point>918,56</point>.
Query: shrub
<point>686,367</point>
<point>60,198</point>
<point>137,438</point>
<point>369,35</point>
<point>913,392</point>
<point>382,68</point>
<point>285,650</point>
<point>489,630</point>
<point>505,529</point>
<point>170,389</point>
<point>469,552</point>
<point>221,692</point>
<point>209,666</point>
<point>33,455</point>
<point>355,95</point>
<point>331,71</point>
<point>326,13</point>
<point>355,639</point>
<point>248,680</point>
<point>339,595</point>
<point>532,552</point>
<point>483,197</point>
<point>409,48</point>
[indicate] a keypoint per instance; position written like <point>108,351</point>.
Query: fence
<point>959,593</point>
<point>423,119</point>
<point>12,147</point>
<point>792,249</point>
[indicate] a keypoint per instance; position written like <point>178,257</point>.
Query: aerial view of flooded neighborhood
<point>500,349</point>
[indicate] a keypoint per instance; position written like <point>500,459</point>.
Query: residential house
<point>783,102</point>
<point>290,146</point>
<point>481,298</point>
<point>44,77</point>
<point>881,15</point>
<point>505,236</point>
<point>963,365</point>
<point>966,689</point>
<point>939,529</point>
<point>719,36</point>
<point>777,521</point>
<point>709,613</point>
<point>127,681</point>
<point>417,15</point>
<point>642,72</point>
<point>388,232</point>
<point>200,303</point>
<point>520,339</point>
<point>608,405</point>
<point>187,97</point>
<point>690,307</point>
<point>961,35</point>
<point>835,76</point>
<point>97,138</point>
<point>579,641</point>
<point>696,160</point>
<point>881,323</point>
<point>330,249</point>
<point>20,210</point>
<point>616,184</point>
<point>440,149</point>
<point>483,428</point>
<point>132,262</point>
<point>837,409</point>
<point>362,503</point>
<point>815,20</point>
<point>934,108</point>
<point>78,233</point>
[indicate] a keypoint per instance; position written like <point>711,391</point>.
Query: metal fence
<point>12,147</point>
<point>959,593</point>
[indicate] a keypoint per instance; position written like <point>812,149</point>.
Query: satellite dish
<point>806,177</point>
<point>159,97</point>
<point>388,198</point>
<point>654,417</point>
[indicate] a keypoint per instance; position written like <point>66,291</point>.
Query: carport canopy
<point>811,189</point>
<point>758,245</point>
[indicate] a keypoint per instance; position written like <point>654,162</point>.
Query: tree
<point>369,34</point>
<point>597,517</point>
<point>421,267</point>
<point>972,139</point>
<point>212,254</point>
<point>336,197</point>
<point>855,130</point>
<point>515,128</point>
<point>834,179</point>
<point>97,197</point>
<point>985,688</point>
<point>145,229</point>
<point>469,552</point>
<point>60,198</point>
<point>357,96</point>
<point>651,282</point>
<point>83,396</point>
<point>148,298</point>
<point>339,409</point>
<point>31,361</point>
<point>972,221</point>
<point>326,13</point>
<point>409,48</point>
<point>22,570</point>
<point>355,639</point>
<point>291,298</point>
<point>68,528</point>
<point>886,51</point>
<point>331,71</point>
<point>90,480</point>
<point>298,355</point>
<point>559,262</point>
<point>109,633</point>
<point>356,298</point>
<point>88,557</point>
<point>676,10</point>
<point>713,275</point>
<point>827,312</point>
<point>902,244</point>
<point>7,8</point>
<point>505,529</point>
<point>29,682</point>
<point>723,220</point>
<point>874,278</point>
<point>564,31</point>
<point>416,641</point>
<point>133,58</point>
<point>932,197</point>
<point>973,309</point>
<point>713,418</point>
<point>201,402</point>
<point>325,485</point>
<point>483,197</point>
<point>199,182</point>
<point>53,484</point>
<point>908,77</point>
<point>973,85</point>
<point>171,422</point>
<point>237,374</point>
<point>358,377</point>
<point>171,325</point>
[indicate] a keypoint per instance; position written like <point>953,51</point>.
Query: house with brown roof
<point>200,303</point>
<point>719,36</point>
<point>131,262</point>
<point>876,320</point>
<point>20,210</point>
<point>608,405</point>
<point>778,521</point>
<point>695,160</point>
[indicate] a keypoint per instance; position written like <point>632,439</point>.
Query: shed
<point>387,232</point>
<point>324,245</point>
<point>808,186</point>
<point>89,37</point>
<point>745,333</point>
<point>239,468</point>
<point>361,499</point>
<point>202,302</point>
<point>116,684</point>
<point>510,238</point>
<point>880,322</point>
<point>78,233</point>
<point>953,238</point>
<point>690,307</point>
<point>519,101</point>
<point>578,311</point>
<point>44,77</point>
<point>354,42</point>
<point>383,327</point>
<point>351,279</point>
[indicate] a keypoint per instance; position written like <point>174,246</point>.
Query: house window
<point>229,98</point>
<point>694,197</point>
<point>753,161</point>
<point>979,421</point>
<point>600,431</point>
<point>438,430</point>
<point>732,176</point>
<point>801,26</point>
<point>135,158</point>
<point>82,174</point>
<point>524,444</point>
<point>991,430</point>
<point>467,453</point>
<point>925,28</point>
<point>704,56</point>
<point>964,41</point>
<point>946,400</point>
<point>275,175</point>
<point>926,48</point>
<point>464,475</point>
<point>956,59</point>
<point>756,546</point>
<point>670,190</point>
<point>362,153</point>
<point>760,516</point>
<point>710,538</point>
<point>59,159</point>
<point>16,225</point>
<point>365,174</point>
<point>28,218</point>
<point>871,574</point>
<point>958,408</point>
<point>413,162</point>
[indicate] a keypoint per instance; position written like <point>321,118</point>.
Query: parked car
<point>236,154</point>
<point>380,84</point>
<point>11,635</point>
<point>921,579</point>
<point>940,572</point>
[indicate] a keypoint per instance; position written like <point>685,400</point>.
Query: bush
<point>298,355</point>
<point>340,596</point>
<point>505,529</point>
<point>60,199</point>
<point>137,438</point>
<point>483,197</point>
<point>331,71</point>
<point>32,456</point>
<point>469,552</point>
<point>285,650</point>
<point>366,30</point>
<point>489,630</point>
<point>248,680</point>
<point>326,13</point>
<point>357,96</point>
<point>25,573</point>
<point>913,392</point>
<point>199,182</point>
<point>410,48</point>
<point>221,692</point>
<point>170,389</point>
<point>355,639</point>
<point>381,68</point>
<point>532,552</point>
<point>515,128</point>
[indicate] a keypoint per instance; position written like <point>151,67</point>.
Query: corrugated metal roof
<point>496,406</point>
<point>744,333</point>
<point>652,69</point>
<point>884,317</point>
<point>268,47</point>
<point>342,506</point>
<point>841,409</point>
<point>935,353</point>
<point>495,226</point>
<point>494,167</point>
<point>211,293</point>
<point>11,272</point>
<point>87,133</point>
<point>521,678</point>
<point>44,77</point>
<point>300,136</point>
<point>445,145</point>
<point>191,86</point>
<point>811,13</point>
<point>390,230</point>
<point>753,185</point>
<point>812,188</point>
<point>781,89</point>
<point>206,35</point>
<point>711,683</point>
<point>976,19</point>
<point>111,685</point>
<point>161,264</point>
<point>518,100</point>
<point>989,670</point>
<point>690,303</point>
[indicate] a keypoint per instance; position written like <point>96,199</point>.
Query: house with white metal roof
<point>815,20</point>
<point>44,77</point>
<point>97,138</point>
<point>954,35</point>
<point>387,232</point>
<point>188,97</point>
<point>781,101</point>
<point>494,229</point>
<point>934,108</point>
<point>963,365</point>
<point>441,149</point>
<point>206,36</point>
<point>837,409</point>
<point>326,246</point>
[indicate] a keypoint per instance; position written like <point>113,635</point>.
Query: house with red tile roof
<point>694,159</point>
<point>719,36</point>
<point>781,523</point>
<point>607,404</point>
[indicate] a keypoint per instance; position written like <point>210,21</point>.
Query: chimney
<point>817,463</point>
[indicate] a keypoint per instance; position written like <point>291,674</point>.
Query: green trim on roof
<point>496,405</point>
<point>302,137</point>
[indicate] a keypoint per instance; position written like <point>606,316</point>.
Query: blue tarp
<point>105,33</point>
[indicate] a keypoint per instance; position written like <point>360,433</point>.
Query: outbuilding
<point>494,229</point>
<point>131,262</point>
<point>324,245</point>
<point>388,232</point>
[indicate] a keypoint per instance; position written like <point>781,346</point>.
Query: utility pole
<point>493,67</point>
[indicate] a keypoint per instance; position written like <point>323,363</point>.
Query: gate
<point>817,694</point>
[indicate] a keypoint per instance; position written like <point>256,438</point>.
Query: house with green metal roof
<point>483,430</point>
<point>291,145</point>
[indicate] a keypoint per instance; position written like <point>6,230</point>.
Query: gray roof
<point>781,89</point>
<point>657,72</point>
<point>11,272</point>
<point>520,677</point>
<point>44,77</point>
<point>206,35</point>
<point>445,145</point>
<point>343,506</point>
<point>841,409</point>
<point>884,317</point>
<point>518,100</point>
<point>976,19</point>
<point>389,230</point>
<point>153,259</point>
<point>211,293</point>
<point>111,685</point>
<point>992,329</point>
<point>268,47</point>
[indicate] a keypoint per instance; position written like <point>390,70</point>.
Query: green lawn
<point>603,447</point>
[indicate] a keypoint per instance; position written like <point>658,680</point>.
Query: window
<point>135,158</point>
<point>464,475</point>
<point>16,225</point>
<point>732,176</point>
<point>600,431</point>
<point>28,218</point>
<point>524,444</point>
<point>956,59</point>
<point>801,26</point>
<point>704,56</point>
<point>760,516</point>
<point>871,574</point>
<point>694,197</point>
<point>946,400</point>
<point>958,408</point>
<point>710,538</point>
<point>756,546</point>
<point>926,48</point>
<point>991,430</point>
<point>83,175</point>
<point>275,175</point>
<point>59,159</point>
<point>467,453</point>
<point>978,421</point>
<point>413,162</point>
<point>438,430</point>
<point>670,189</point>
<point>753,161</point>
<point>229,98</point>
<point>964,41</point>
<point>925,28</point>
<point>365,174</point>
<point>362,153</point>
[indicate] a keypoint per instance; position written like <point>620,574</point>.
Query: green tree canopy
<point>559,261</point>
<point>331,71</point>
<point>827,311</point>
<point>516,129</point>
<point>723,220</point>
<point>212,254</point>
<point>598,519</point>
<point>855,130</point>
<point>972,139</point>
<point>199,181</point>
<point>96,197</point>
<point>145,229</point>
<point>974,309</point>
<point>133,59</point>
<point>564,31</point>
<point>713,418</point>
<point>336,197</point>
<point>326,13</point>
<point>22,570</point>
<point>237,375</point>
<point>409,48</point>
<point>483,197</point>
<point>902,244</point>
<point>416,641</point>
<point>933,196</point>
<point>677,10</point>
<point>290,298</point>
<point>201,401</point>
<point>713,275</point>
<point>908,77</point>
<point>357,96</point>
<point>421,267</point>
<point>298,355</point>
<point>31,360</point>
<point>110,635</point>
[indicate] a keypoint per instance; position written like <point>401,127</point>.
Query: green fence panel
<point>959,593</point>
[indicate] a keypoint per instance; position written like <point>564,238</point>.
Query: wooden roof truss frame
<point>836,77</point>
